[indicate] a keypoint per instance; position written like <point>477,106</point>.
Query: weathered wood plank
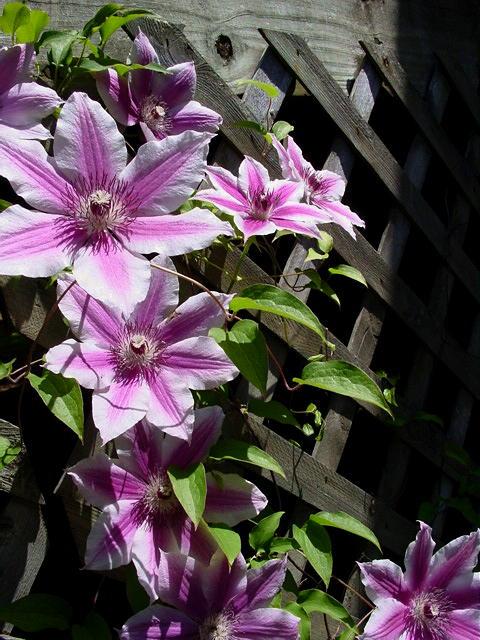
<point>312,73</point>
<point>389,67</point>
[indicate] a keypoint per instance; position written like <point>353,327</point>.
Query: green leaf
<point>344,521</point>
<point>266,297</point>
<point>30,32</point>
<point>273,410</point>
<point>282,545</point>
<point>92,65</point>
<point>15,14</point>
<point>190,487</point>
<point>6,368</point>
<point>458,453</point>
<point>8,452</point>
<point>348,272</point>
<point>230,449</point>
<point>251,124</point>
<point>245,345</point>
<point>315,543</point>
<point>325,242</point>
<point>4,204</point>
<point>313,255</point>
<point>228,540</point>
<point>281,129</point>
<point>59,43</point>
<point>136,595</point>
<point>112,23</point>
<point>37,612</point>
<point>321,285</point>
<point>314,600</point>
<point>261,535</point>
<point>304,626</point>
<point>94,627</point>
<point>62,396</point>
<point>99,18</point>
<point>348,634</point>
<point>343,378</point>
<point>269,89</point>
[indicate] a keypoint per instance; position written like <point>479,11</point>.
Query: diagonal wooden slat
<point>311,72</point>
<point>391,70</point>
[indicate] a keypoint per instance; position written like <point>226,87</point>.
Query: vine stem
<point>225,311</point>
<point>280,371</point>
<point>354,591</point>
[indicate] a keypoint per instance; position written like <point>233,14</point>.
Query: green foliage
<point>318,283</point>
<point>230,449</point>
<point>273,410</point>
<point>316,601</point>
<point>262,534</point>
<point>136,595</point>
<point>343,378</point>
<point>271,299</point>
<point>281,129</point>
<point>341,520</point>
<point>190,488</point>
<point>228,540</point>
<point>245,345</point>
<point>93,627</point>
<point>8,451</point>
<point>315,543</point>
<point>348,272</point>
<point>58,44</point>
<point>6,368</point>
<point>304,626</point>
<point>62,396</point>
<point>14,15</point>
<point>37,612</point>
<point>268,89</point>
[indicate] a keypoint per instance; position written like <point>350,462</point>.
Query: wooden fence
<point>413,306</point>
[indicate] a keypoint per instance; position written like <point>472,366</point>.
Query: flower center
<point>429,613</point>
<point>138,351</point>
<point>217,627</point>
<point>155,114</point>
<point>157,502</point>
<point>261,204</point>
<point>316,184</point>
<point>100,205</point>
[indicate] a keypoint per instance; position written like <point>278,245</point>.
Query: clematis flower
<point>324,189</point>
<point>23,103</point>
<point>141,515</point>
<point>215,602</point>
<point>97,213</point>
<point>437,598</point>
<point>144,363</point>
<point>259,205</point>
<point>162,103</point>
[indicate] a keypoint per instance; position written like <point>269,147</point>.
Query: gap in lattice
<point>461,315</point>
<point>419,265</point>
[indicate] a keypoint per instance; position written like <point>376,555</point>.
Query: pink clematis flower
<point>161,103</point>
<point>23,103</point>
<point>97,213</point>
<point>437,598</point>
<point>215,602</point>
<point>259,205</point>
<point>324,189</point>
<point>144,363</point>
<point>141,515</point>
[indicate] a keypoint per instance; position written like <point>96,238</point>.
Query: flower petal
<point>180,581</point>
<point>253,227</point>
<point>222,582</point>
<point>177,87</point>
<point>297,227</point>
<point>26,104</point>
<point>301,212</point>
<point>141,79</point>
<point>285,191</point>
<point>231,499</point>
<point>387,622</point>
<point>88,318</point>
<point>206,431</point>
<point>30,243</point>
<point>115,93</point>
<point>199,362</point>
<point>162,296</point>
<point>266,623</point>
<point>142,449</point>
<point>288,172</point>
<point>16,65</point>
<point>252,176</point>
<point>27,132</point>
<point>197,542</point>
<point>464,625</point>
<point>383,579</point>
<point>87,142</point>
<point>194,117</point>
<point>340,213</point>
<point>465,591</point>
<point>297,161</point>
<point>223,180</point>
<point>262,585</point>
<point>171,404</point>
<point>454,559</point>
<point>224,202</point>
<point>165,172</point>
<point>111,273</point>
<point>333,185</point>
<point>101,482</point>
<point>88,364</point>
<point>119,407</point>
<point>175,235</point>
<point>418,557</point>
<point>159,623</point>
<point>27,167</point>
<point>109,544</point>
<point>195,317</point>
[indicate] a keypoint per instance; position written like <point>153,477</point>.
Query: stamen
<point>217,627</point>
<point>157,502</point>
<point>137,351</point>
<point>262,202</point>
<point>155,114</point>
<point>429,614</point>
